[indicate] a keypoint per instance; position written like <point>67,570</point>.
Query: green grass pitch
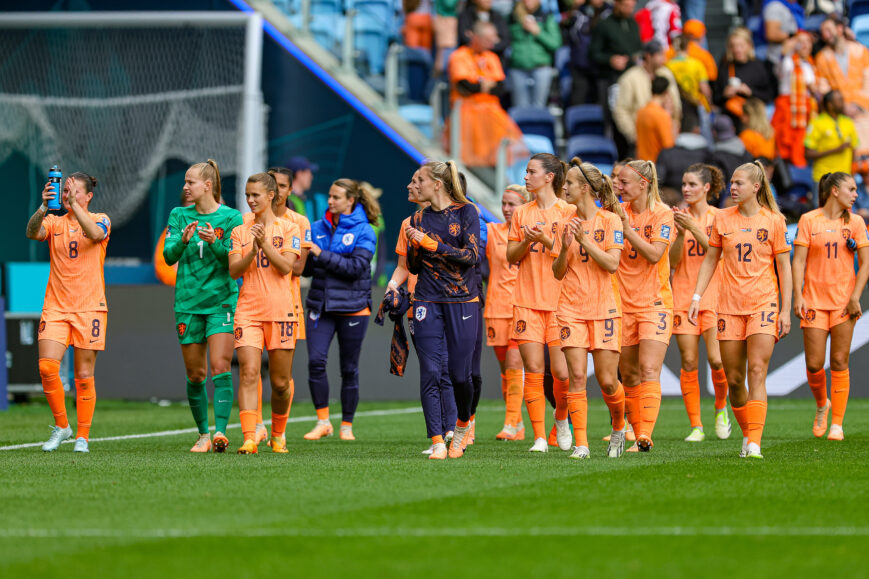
<point>376,507</point>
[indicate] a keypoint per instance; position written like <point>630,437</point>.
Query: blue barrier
<point>4,372</point>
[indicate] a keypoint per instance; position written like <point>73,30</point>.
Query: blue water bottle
<point>55,177</point>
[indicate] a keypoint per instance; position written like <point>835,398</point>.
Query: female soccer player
<point>829,302</point>
<point>264,251</point>
<point>589,310</point>
<point>442,251</point>
<point>751,236</point>
<point>198,240</point>
<point>535,296</point>
<point>74,311</point>
<point>499,313</point>
<point>339,300</point>
<point>700,184</point>
<point>647,299</point>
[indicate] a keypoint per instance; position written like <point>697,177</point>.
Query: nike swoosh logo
<point>660,333</point>
<point>765,325</point>
<point>226,323</point>
<point>92,341</point>
<point>351,324</point>
<point>283,340</point>
<point>321,237</point>
<point>222,401</point>
<point>467,317</point>
<point>56,234</point>
<point>610,340</point>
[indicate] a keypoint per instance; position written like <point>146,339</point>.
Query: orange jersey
<point>305,233</point>
<point>266,295</point>
<point>830,277</point>
<point>536,287</point>
<point>401,249</point>
<point>502,274</point>
<point>646,286</point>
<point>589,292</point>
<point>685,277</point>
<point>76,282</point>
<point>748,282</point>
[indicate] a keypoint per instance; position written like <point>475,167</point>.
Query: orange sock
<point>248,423</point>
<point>461,424</point>
<point>650,405</point>
<point>85,402</point>
<point>616,404</point>
<point>691,396</point>
<point>840,386</point>
<point>292,393</point>
<point>535,401</point>
<point>504,387</point>
<point>577,404</point>
<point>437,439</point>
<point>279,424</point>
<point>741,417</point>
<point>818,385</point>
<point>259,401</point>
<point>514,396</point>
<point>323,413</point>
<point>559,391</point>
<point>755,411</point>
<point>632,407</point>
<point>49,371</point>
<point>719,383</point>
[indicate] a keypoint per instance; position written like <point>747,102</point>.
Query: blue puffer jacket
<point>341,274</point>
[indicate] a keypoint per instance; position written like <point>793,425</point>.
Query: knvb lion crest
<point>455,229</point>
<point>721,325</point>
<point>420,313</point>
<point>647,232</point>
<point>762,235</point>
<point>565,333</point>
<point>238,333</point>
<point>520,327</point>
<point>810,315</point>
<point>491,333</point>
<point>846,233</point>
<point>599,235</point>
<point>41,326</point>
<point>219,233</point>
<point>677,321</point>
<point>277,241</point>
<point>182,329</point>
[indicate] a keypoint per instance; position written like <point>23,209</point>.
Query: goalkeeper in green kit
<point>198,240</point>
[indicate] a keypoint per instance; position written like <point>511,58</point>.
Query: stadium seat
<point>372,40</point>
<point>858,8</point>
<point>415,65</point>
<point>860,26</point>
<point>381,10</point>
<point>755,25</point>
<point>419,115</point>
<point>535,121</point>
<point>328,31</point>
<point>325,7</point>
<point>803,185</point>
<point>565,81</point>
<point>592,149</point>
<point>538,144</point>
<point>584,120</point>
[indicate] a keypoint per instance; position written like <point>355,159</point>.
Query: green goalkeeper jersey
<point>203,285</point>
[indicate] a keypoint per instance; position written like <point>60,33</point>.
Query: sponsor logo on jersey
<point>297,244</point>
<point>348,239</point>
<point>219,233</point>
<point>182,329</point>
<point>619,237</point>
<point>810,315</point>
<point>455,229</point>
<point>420,313</point>
<point>677,321</point>
<point>665,231</point>
<point>599,235</point>
<point>647,231</point>
<point>721,325</point>
<point>239,332</point>
<point>277,241</point>
<point>520,326</point>
<point>490,332</point>
<point>565,333</point>
<point>762,235</point>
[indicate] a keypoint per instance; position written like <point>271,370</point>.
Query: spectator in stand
<point>635,92</point>
<point>615,41</point>
<point>481,11</point>
<point>534,40</point>
<point>617,168</point>
<point>831,138</point>
<point>693,33</point>
<point>795,105</point>
<point>757,134</point>
<point>417,29</point>
<point>781,20</point>
<point>655,123</point>
<point>446,29</point>
<point>729,152</point>
<point>690,75</point>
<point>476,77</point>
<point>660,20</point>
<point>690,148</point>
<point>742,76</point>
<point>584,17</point>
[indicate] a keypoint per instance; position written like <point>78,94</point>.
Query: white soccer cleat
<point>836,432</point>
<point>562,434</point>
<point>616,446</point>
<point>744,452</point>
<point>429,450</point>
<point>448,437</point>
<point>81,445</point>
<point>58,435</point>
<point>753,451</point>
<point>697,435</point>
<point>540,445</point>
<point>722,424</point>
<point>579,452</point>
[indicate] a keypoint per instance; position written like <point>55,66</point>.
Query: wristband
<point>696,298</point>
<point>392,284</point>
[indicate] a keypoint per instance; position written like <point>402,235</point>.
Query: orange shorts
<point>706,320</point>
<point>498,332</point>
<point>824,319</point>
<point>300,328</point>
<point>739,327</point>
<point>265,335</point>
<point>538,326</point>
<point>86,331</point>
<point>638,326</point>
<point>591,334</point>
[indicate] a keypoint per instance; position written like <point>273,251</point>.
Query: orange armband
<point>428,243</point>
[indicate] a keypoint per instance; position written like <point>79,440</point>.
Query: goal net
<point>118,94</point>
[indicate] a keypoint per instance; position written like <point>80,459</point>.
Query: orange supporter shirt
<point>588,291</point>
<point>757,145</point>
<point>536,287</point>
<point>654,131</point>
<point>685,277</point>
<point>502,274</point>
<point>266,295</point>
<point>305,233</point>
<point>830,277</point>
<point>401,249</point>
<point>464,64</point>
<point>748,282</point>
<point>646,286</point>
<point>76,282</point>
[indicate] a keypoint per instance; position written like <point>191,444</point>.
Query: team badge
<point>348,239</point>
<point>598,235</point>
<point>297,244</point>
<point>762,235</point>
<point>182,329</point>
<point>238,333</point>
<point>846,233</point>
<point>420,313</point>
<point>721,325</point>
<point>565,333</point>
<point>665,231</point>
<point>278,242</point>
<point>219,233</point>
<point>810,315</point>
<point>619,237</point>
<point>520,327</point>
<point>554,227</point>
<point>647,231</point>
<point>455,229</point>
<point>708,231</point>
<point>491,333</point>
<point>677,321</point>
<point>41,326</point>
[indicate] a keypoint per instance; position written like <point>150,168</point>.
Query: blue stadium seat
<point>371,40</point>
<point>419,115</point>
<point>584,120</point>
<point>325,7</point>
<point>858,8</point>
<point>592,149</point>
<point>860,26</point>
<point>755,25</point>
<point>415,65</point>
<point>538,144</point>
<point>381,10</point>
<point>535,121</point>
<point>803,183</point>
<point>328,31</point>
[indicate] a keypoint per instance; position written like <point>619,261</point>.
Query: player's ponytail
<point>649,175</point>
<point>89,181</point>
<point>757,174</point>
<point>825,188</point>
<point>363,194</point>
<point>209,171</point>
<point>709,175</point>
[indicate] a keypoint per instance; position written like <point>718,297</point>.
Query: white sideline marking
<point>444,532</point>
<point>194,430</point>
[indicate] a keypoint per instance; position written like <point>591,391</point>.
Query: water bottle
<point>55,177</point>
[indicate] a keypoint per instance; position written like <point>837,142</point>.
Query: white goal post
<point>224,114</point>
